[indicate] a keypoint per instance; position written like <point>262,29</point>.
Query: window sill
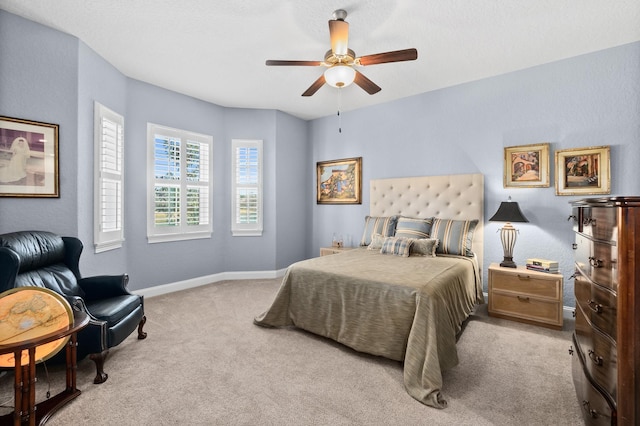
<point>152,239</point>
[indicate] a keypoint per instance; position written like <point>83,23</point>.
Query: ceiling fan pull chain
<point>339,108</point>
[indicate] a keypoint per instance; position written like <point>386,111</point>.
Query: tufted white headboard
<point>449,197</point>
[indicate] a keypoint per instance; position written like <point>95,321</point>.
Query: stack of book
<point>542,265</point>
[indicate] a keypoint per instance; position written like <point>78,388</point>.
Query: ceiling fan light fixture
<point>339,75</point>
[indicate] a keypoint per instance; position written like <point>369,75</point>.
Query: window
<point>179,199</point>
<point>109,179</point>
<point>246,190</point>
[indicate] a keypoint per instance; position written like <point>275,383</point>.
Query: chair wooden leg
<point>99,359</point>
<point>142,334</point>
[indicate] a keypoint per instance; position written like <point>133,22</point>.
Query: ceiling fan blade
<point>395,56</point>
<point>294,63</point>
<point>369,86</point>
<point>339,32</point>
<point>315,86</point>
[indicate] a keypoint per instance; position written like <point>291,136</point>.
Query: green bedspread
<point>406,309</point>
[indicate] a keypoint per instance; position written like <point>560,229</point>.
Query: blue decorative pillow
<point>396,246</point>
<point>385,226</point>
<point>413,228</point>
<point>424,247</point>
<point>456,236</point>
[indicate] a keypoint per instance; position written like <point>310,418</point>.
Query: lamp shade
<point>339,75</point>
<point>509,211</point>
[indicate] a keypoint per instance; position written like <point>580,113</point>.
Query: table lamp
<point>508,212</point>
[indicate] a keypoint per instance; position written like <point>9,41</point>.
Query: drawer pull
<point>587,407</point>
<point>574,217</point>
<point>596,263</point>
<point>524,277</point>
<point>597,360</point>
<point>595,307</point>
<point>589,221</point>
<point>523,298</point>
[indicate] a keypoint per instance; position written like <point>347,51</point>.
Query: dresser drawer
<point>600,223</point>
<point>526,307</point>
<point>598,304</point>
<point>527,284</point>
<point>596,409</point>
<point>600,354</point>
<point>597,260</point>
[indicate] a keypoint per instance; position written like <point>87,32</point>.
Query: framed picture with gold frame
<point>526,166</point>
<point>339,181</point>
<point>583,171</point>
<point>28,158</point>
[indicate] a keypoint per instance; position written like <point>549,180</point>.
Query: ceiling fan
<point>341,61</point>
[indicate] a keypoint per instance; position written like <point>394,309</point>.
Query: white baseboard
<point>208,279</point>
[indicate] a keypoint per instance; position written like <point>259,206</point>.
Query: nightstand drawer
<point>525,307</point>
<point>524,283</point>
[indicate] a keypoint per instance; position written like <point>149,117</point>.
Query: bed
<point>383,302</point>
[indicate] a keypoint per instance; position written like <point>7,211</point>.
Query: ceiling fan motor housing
<point>331,59</point>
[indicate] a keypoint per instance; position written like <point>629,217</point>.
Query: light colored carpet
<point>206,363</point>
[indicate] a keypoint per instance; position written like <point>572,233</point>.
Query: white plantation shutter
<point>246,188</point>
<point>109,179</point>
<point>180,188</point>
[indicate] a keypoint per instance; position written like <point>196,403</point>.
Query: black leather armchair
<point>43,259</point>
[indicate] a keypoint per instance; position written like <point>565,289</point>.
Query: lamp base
<point>508,263</point>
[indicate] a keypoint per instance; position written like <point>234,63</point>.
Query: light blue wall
<point>97,81</point>
<point>252,124</point>
<point>161,263</point>
<point>39,81</point>
<point>48,76</point>
<point>55,78</point>
<point>591,100</point>
<point>293,212</point>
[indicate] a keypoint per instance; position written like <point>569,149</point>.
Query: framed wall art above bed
<point>339,181</point>
<point>526,166</point>
<point>583,171</point>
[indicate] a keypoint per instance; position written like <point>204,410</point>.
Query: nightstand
<point>324,251</point>
<point>520,294</point>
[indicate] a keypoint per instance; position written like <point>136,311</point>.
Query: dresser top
<point>608,202</point>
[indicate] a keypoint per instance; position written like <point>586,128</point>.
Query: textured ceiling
<point>216,50</point>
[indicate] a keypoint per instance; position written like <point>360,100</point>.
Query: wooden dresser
<point>606,341</point>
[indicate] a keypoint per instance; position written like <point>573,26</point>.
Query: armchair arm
<point>93,338</point>
<point>104,286</point>
<point>77,304</point>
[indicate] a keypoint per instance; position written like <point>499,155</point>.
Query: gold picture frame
<point>28,158</point>
<point>526,166</point>
<point>339,181</point>
<point>583,171</point>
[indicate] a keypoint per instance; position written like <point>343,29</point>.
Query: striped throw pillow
<point>383,225</point>
<point>408,227</point>
<point>456,236</point>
